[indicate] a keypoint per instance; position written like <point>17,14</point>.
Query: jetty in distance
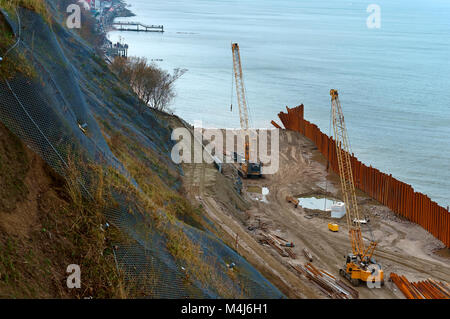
<point>137,26</point>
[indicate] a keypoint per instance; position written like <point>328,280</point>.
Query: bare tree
<point>163,93</point>
<point>154,86</point>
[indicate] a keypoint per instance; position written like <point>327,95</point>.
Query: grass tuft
<point>37,6</point>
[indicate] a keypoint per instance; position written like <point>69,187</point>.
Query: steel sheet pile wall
<point>398,196</point>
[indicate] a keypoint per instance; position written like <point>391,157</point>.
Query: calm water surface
<point>394,82</point>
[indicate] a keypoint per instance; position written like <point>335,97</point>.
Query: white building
<point>338,210</point>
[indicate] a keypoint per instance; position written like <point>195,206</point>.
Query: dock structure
<point>137,26</point>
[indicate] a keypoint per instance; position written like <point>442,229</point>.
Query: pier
<point>137,26</point>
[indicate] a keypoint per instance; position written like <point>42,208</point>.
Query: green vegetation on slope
<point>54,224</point>
<point>14,63</point>
<point>47,228</point>
<point>167,207</point>
<point>37,6</point>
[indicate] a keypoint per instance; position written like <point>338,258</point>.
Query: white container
<point>338,210</point>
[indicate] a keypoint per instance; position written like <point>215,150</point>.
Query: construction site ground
<point>244,220</point>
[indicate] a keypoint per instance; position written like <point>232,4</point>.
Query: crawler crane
<point>247,168</point>
<point>360,266</point>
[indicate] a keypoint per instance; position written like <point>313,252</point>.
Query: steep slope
<point>42,232</point>
<point>119,164</point>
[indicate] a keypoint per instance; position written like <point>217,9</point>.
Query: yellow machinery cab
<point>333,227</point>
<point>357,272</point>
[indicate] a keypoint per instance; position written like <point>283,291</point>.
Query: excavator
<point>360,265</point>
<point>247,169</point>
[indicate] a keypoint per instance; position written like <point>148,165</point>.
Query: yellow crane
<point>360,266</point>
<point>247,168</point>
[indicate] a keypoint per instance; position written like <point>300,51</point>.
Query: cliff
<point>93,181</point>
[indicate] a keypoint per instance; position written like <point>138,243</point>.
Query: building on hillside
<point>95,5</point>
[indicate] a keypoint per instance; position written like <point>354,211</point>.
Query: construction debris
<point>262,225</point>
<point>427,289</point>
<point>274,242</point>
<point>327,283</point>
<point>281,238</point>
<point>282,252</point>
<point>307,254</point>
<point>273,122</point>
<point>292,200</point>
<point>291,253</point>
<point>271,242</point>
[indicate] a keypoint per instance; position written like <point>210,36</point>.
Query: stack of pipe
<point>427,289</point>
<point>290,252</point>
<point>271,242</point>
<point>327,283</point>
<point>398,196</point>
<point>307,254</point>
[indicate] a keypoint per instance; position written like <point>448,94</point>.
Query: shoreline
<point>105,26</point>
<point>120,11</point>
<point>191,229</point>
<point>391,113</point>
<point>389,170</point>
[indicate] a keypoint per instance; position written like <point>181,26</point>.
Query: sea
<point>388,59</point>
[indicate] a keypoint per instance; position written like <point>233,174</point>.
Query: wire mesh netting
<point>48,113</point>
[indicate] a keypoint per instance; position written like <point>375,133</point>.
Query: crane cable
<point>232,85</point>
<point>351,153</point>
<point>328,163</point>
<point>249,110</point>
<point>372,238</point>
<point>250,114</point>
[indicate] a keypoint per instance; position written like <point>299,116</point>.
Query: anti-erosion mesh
<point>46,112</point>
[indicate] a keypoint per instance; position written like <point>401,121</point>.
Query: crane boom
<point>345,171</point>
<point>247,168</point>
<point>240,88</point>
<point>361,258</point>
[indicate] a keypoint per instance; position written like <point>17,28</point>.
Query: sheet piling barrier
<point>398,196</point>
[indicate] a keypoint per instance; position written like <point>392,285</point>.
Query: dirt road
<point>403,247</point>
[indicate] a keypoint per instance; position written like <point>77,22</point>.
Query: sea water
<point>393,81</point>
